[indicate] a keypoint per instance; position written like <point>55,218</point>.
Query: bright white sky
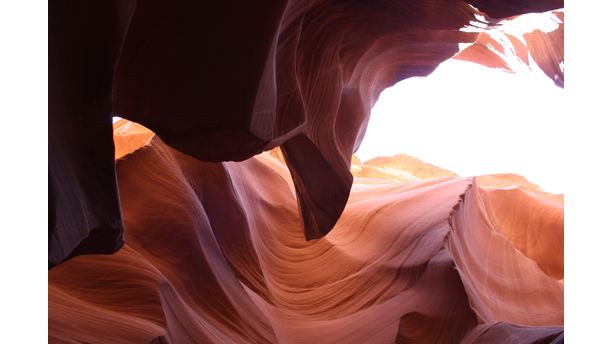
<point>474,120</point>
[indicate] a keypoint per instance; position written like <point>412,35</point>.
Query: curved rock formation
<point>223,84</point>
<point>399,167</point>
<point>85,40</point>
<point>209,245</point>
<point>512,45</point>
<point>215,253</point>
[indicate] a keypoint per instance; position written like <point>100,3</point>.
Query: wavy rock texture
<point>221,81</point>
<point>215,253</point>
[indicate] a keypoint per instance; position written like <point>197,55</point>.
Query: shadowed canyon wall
<point>219,237</point>
<point>221,83</point>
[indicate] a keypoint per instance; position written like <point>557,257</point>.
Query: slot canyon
<point>226,205</point>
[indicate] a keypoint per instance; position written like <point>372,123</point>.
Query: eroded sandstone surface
<point>218,197</point>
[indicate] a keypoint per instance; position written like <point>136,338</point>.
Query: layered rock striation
<point>221,82</point>
<point>215,253</point>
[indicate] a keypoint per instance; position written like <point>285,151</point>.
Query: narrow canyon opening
<point>474,120</point>
<point>227,205</point>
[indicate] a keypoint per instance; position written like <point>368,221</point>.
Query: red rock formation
<point>215,253</point>
<point>399,167</point>
<point>499,48</point>
<point>85,39</point>
<point>222,84</point>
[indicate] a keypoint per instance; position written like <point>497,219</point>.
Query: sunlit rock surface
<point>531,42</point>
<point>220,81</point>
<point>399,167</point>
<point>215,253</point>
<point>211,220</point>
